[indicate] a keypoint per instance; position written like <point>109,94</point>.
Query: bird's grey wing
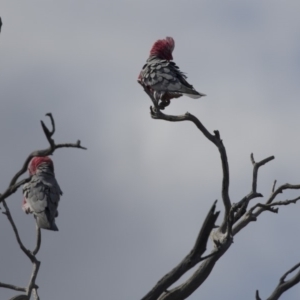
<point>43,195</point>
<point>159,76</point>
<point>177,78</point>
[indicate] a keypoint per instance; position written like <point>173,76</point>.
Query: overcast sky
<point>134,202</point>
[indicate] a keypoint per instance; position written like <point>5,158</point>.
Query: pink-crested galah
<point>162,77</point>
<point>42,193</point>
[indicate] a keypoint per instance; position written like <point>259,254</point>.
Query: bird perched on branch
<point>42,193</point>
<point>162,77</point>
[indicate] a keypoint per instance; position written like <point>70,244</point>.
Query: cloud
<point>134,202</point>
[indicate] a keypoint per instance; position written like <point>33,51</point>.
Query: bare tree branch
<point>236,216</point>
<point>13,186</point>
<point>12,287</point>
<point>243,204</point>
<point>28,253</point>
<point>283,187</point>
<point>10,219</point>
<point>270,206</point>
<point>256,167</point>
<point>222,243</point>
<point>19,297</point>
<point>257,295</point>
<point>282,279</point>
<point>186,289</point>
<point>283,285</point>
<point>215,139</point>
<point>274,185</point>
<point>250,215</point>
<point>35,294</point>
<point>223,236</point>
<point>12,189</point>
<point>38,240</point>
<point>194,257</point>
<point>48,151</point>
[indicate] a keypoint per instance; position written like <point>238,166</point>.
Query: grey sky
<point>134,202</point>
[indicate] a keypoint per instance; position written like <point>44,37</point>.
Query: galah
<point>162,77</point>
<point>42,193</point>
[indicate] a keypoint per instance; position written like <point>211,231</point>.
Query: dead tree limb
<point>30,254</point>
<point>13,186</point>
<point>236,217</point>
<point>193,258</point>
<point>12,287</point>
<point>284,284</point>
<point>214,138</point>
<point>243,204</point>
<point>222,237</point>
<point>252,214</point>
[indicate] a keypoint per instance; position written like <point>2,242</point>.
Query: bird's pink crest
<point>38,160</point>
<point>163,48</point>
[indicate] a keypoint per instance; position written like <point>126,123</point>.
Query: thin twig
<point>282,279</point>
<point>268,206</point>
<point>12,287</point>
<point>283,187</point>
<point>28,253</point>
<point>48,151</point>
<point>38,240</point>
<point>20,297</point>
<point>243,204</point>
<point>274,185</point>
<point>184,290</point>
<point>255,170</point>
<point>10,219</point>
<point>13,185</point>
<point>284,284</point>
<point>257,295</point>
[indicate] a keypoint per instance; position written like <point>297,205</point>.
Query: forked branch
<point>214,138</point>
<point>284,284</point>
<point>236,217</point>
<point>30,254</point>
<point>193,258</point>
<point>13,186</point>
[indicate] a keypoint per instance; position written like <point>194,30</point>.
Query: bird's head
<point>163,48</point>
<point>38,162</point>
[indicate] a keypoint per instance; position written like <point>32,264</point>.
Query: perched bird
<point>162,77</point>
<point>42,193</point>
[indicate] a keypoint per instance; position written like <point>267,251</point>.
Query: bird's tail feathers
<point>190,92</point>
<point>43,221</point>
<point>194,96</point>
